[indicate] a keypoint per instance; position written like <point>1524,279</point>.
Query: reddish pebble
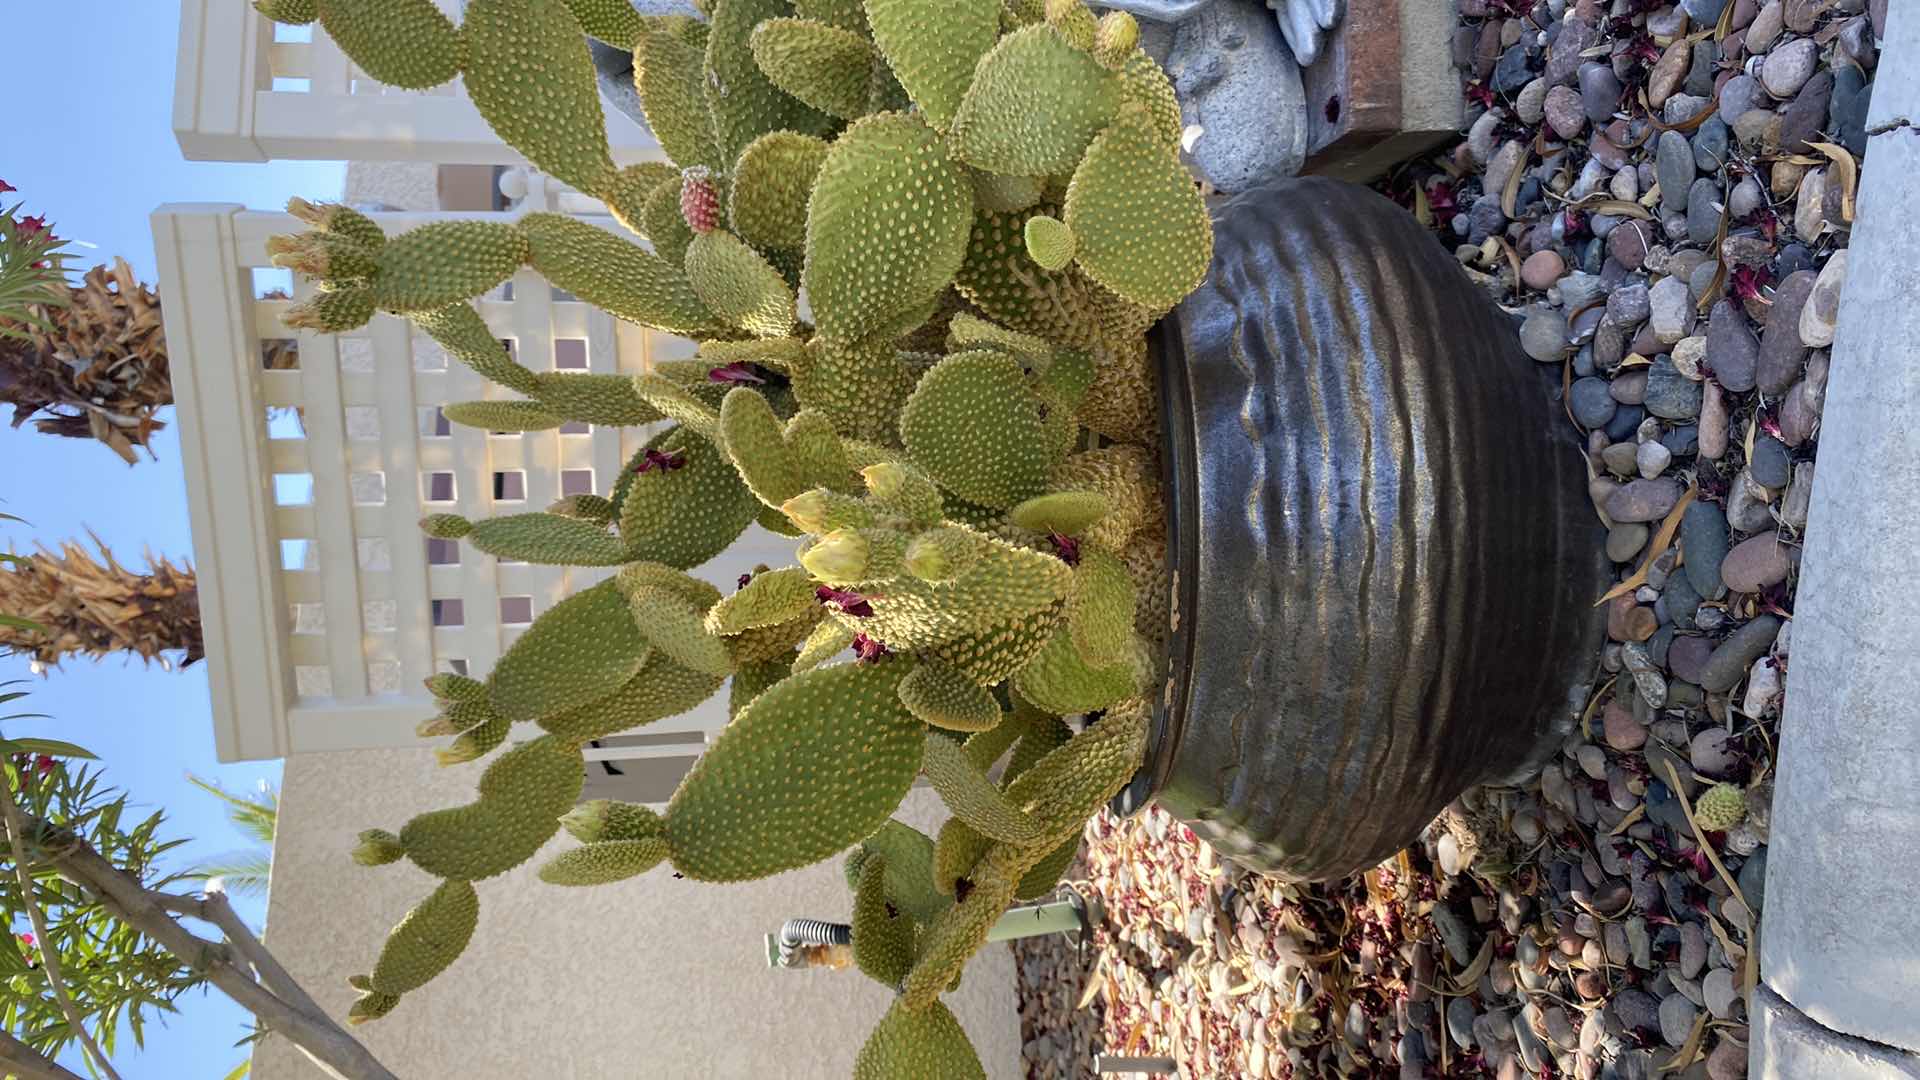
<point>1542,269</point>
<point>1755,563</point>
<point>1621,730</point>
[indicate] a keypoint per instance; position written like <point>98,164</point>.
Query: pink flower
<point>1066,547</point>
<point>850,603</point>
<point>869,651</point>
<point>654,459</point>
<point>737,372</point>
<point>27,226</point>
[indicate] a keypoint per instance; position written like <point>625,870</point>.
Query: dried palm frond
<point>93,607</point>
<point>94,367</point>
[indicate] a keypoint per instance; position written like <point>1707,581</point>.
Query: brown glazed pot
<point>1384,557</point>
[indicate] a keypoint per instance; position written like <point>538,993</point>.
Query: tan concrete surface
<point>650,978</point>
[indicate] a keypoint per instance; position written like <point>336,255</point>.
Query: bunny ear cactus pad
<point>886,227</point>
<point>623,279</point>
<point>933,46</point>
<point>404,43</point>
<point>828,68</point>
<point>604,862</point>
<point>686,514</point>
<point>668,76</point>
<point>909,869</point>
<point>771,182</point>
<point>946,698</point>
<point>745,104</point>
<point>530,74</point>
<point>976,429</point>
<point>926,1044</point>
<point>548,540</point>
<point>972,797</point>
<point>882,933</point>
<point>612,21</point>
<point>522,795</point>
<point>678,630</point>
<point>427,939</point>
<point>1140,224</point>
<point>1034,104</point>
<point>583,648</point>
<point>812,766</point>
<point>500,415</point>
<point>738,285</point>
<point>661,689</point>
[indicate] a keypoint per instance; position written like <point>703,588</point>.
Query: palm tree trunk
<point>92,607</point>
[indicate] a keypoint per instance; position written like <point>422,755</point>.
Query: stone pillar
<point>1840,942</point>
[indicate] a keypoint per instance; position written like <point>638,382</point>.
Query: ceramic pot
<point>1384,560</point>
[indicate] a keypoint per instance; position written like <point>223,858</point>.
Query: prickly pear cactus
<point>919,244</point>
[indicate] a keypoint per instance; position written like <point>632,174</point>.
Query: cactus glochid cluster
<point>918,244</point>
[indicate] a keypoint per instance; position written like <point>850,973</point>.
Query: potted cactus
<point>921,246</point>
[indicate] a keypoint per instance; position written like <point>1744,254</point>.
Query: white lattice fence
<point>246,89</point>
<point>310,459</point>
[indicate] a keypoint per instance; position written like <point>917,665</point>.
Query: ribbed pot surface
<point>1385,558</point>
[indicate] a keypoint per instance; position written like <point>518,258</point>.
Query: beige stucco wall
<point>652,977</point>
<point>402,185</point>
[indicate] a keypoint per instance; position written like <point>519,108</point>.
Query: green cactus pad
<point>686,515</point>
<point>1059,681</point>
<point>668,75</point>
<point>473,740</point>
<point>291,12</point>
<point>925,1044</point>
<point>458,716</point>
<point>945,698</point>
<point>859,387</point>
<point>829,639</point>
<point>780,354</point>
<point>661,689</point>
<point>752,680</point>
<point>771,183</point>
<point>972,797</point>
<point>769,643</point>
<point>974,427</point>
<point>744,102</point>
<point>696,593</point>
<point>738,285</point>
<point>530,74</point>
<point>956,851</point>
<point>371,1006</point>
<point>1005,587</point>
<point>501,415</point>
<point>593,398</point>
<point>985,747</point>
<point>999,279</point>
<point>1043,735</point>
<point>904,490</point>
<point>333,312</point>
<point>679,630</point>
<point>377,847</point>
<point>812,766</point>
<point>449,686</point>
<point>626,192</point>
<point>1002,194</point>
<point>1127,476</point>
<point>817,447</point>
<point>1141,224</point>
<point>942,554</point>
<point>595,508</point>
<point>968,331</point>
<point>1039,881</point>
<point>582,649</point>
<point>882,933</point>
<point>845,14</point>
<point>612,21</point>
<point>610,819</point>
<point>522,795</point>
<point>1074,22</point>
<point>404,43</point>
<point>1721,807</point>
<point>1144,81</point>
<point>933,46</point>
<point>1049,242</point>
<point>548,540</point>
<point>666,227</point>
<point>1069,513</point>
<point>824,66</point>
<point>886,228</point>
<point>1100,610</point>
<point>624,279</point>
<point>991,655</point>
<point>1033,106</point>
<point>427,938</point>
<point>460,330</point>
<point>770,598</point>
<point>339,219</point>
<point>1072,782</point>
<point>442,263</point>
<point>1117,39</point>
<point>604,862</point>
<point>909,869</point>
<point>959,931</point>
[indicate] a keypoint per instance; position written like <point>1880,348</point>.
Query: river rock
<point>1806,114</point>
<point>1729,662</point>
<point>1629,387</point>
<point>1821,314</point>
<point>1703,211</point>
<point>1787,68</point>
<point>1687,655</point>
<point>1652,458</point>
<point>1714,422</point>
<point>1673,164</point>
<point>1770,464</point>
<point>1530,103</point>
<point>1781,351</point>
<point>1756,563</point>
<point>1544,334</point>
<point>1799,497</point>
<point>1671,395</point>
<point>1668,71</point>
<point>1676,1018</point>
<point>1590,402</point>
<point>1643,500</point>
<point>1847,110</point>
<point>1732,349</point>
<point>1737,97</point>
<point>1628,244</point>
<point>1600,92</point>
<point>1670,307</point>
<point>1563,59</point>
<point>1703,540</point>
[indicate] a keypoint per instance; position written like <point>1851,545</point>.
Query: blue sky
<point>88,88</point>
